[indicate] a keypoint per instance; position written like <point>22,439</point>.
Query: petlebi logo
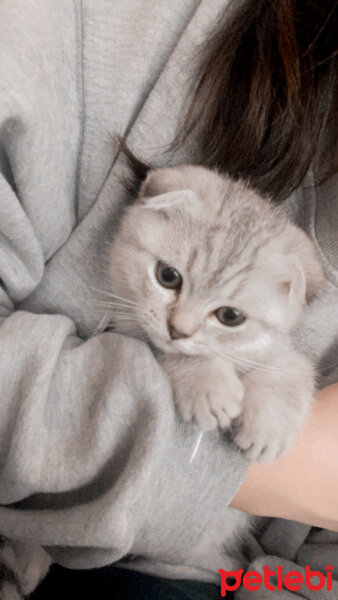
<point>290,580</point>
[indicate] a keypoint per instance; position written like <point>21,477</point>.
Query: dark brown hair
<point>266,101</point>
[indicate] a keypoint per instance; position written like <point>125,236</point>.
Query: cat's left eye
<point>168,276</point>
<point>231,317</point>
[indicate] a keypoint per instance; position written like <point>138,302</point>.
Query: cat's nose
<point>176,334</point>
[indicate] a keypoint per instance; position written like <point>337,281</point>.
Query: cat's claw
<point>212,402</point>
<point>262,442</point>
<point>274,411</point>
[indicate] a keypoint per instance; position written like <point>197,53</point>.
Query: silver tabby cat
<point>215,278</point>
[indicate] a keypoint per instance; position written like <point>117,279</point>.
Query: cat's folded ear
<point>159,181</point>
<point>306,254</point>
<point>164,190</point>
<point>157,188</point>
<point>181,200</point>
<point>298,266</point>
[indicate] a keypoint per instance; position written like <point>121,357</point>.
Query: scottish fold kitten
<point>215,278</point>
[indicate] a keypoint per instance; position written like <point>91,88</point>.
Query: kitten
<point>215,278</point>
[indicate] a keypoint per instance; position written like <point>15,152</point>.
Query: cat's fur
<point>232,248</point>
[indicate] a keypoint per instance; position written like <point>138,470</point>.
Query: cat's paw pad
<point>261,439</point>
<point>213,404</point>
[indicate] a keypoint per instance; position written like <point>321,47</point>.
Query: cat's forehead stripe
<point>192,258</point>
<point>216,277</point>
<point>209,243</point>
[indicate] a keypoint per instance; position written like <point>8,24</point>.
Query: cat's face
<point>208,267</point>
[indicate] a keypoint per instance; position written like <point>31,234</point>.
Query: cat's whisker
<point>258,366</point>
<point>126,326</point>
<point>120,305</point>
<point>253,364</point>
<point>117,305</point>
<point>102,324</point>
<point>111,295</point>
<point>121,313</point>
<point>266,368</point>
<point>124,299</point>
<point>122,320</point>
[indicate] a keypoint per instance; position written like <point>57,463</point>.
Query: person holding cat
<point>96,464</point>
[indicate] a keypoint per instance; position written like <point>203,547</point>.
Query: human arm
<point>303,484</point>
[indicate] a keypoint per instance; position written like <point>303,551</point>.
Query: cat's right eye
<point>168,276</point>
<point>231,317</point>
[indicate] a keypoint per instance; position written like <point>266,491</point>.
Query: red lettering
<point>292,581</point>
<point>329,576</point>
<point>279,578</point>
<point>227,587</point>
<point>267,575</point>
<point>294,585</point>
<point>252,581</point>
<point>308,576</point>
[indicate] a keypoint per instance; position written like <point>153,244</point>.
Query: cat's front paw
<point>264,435</point>
<point>276,404</point>
<point>210,396</point>
<point>258,441</point>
